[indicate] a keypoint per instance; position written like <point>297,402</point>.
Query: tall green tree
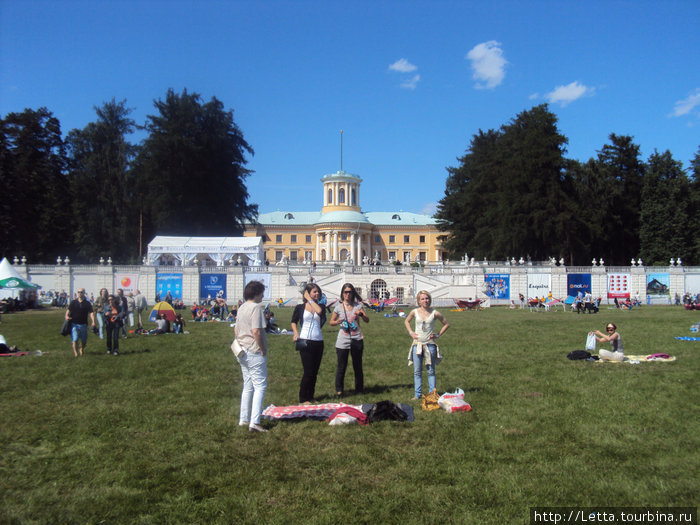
<point>102,185</point>
<point>192,169</point>
<point>511,196</point>
<point>694,207</point>
<point>665,221</point>
<point>38,221</point>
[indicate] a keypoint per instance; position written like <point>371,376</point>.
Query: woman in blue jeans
<point>424,347</point>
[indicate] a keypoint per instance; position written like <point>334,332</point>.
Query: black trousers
<point>112,335</point>
<point>355,350</point>
<point>311,353</point>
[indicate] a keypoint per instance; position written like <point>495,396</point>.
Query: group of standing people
<point>108,314</point>
<point>307,321</point>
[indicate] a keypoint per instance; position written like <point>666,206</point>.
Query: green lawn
<point>151,436</point>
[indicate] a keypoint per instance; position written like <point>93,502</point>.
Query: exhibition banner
<point>692,283</point>
<point>497,285</point>
<point>658,284</point>
<point>619,285</point>
<point>210,284</point>
<point>538,285</point>
<point>578,282</point>
<point>264,278</point>
<point>129,282</point>
<point>169,282</point>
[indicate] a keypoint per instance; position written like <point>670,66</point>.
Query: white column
<point>353,251</point>
<point>335,246</point>
<point>317,256</point>
<point>358,261</point>
<point>329,254</point>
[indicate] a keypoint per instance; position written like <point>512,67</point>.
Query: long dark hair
<point>355,296</point>
<point>309,287</point>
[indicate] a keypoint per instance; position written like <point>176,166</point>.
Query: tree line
<point>94,194</point>
<point>515,194</point>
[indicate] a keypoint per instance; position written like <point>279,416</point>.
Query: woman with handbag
<point>307,320</point>
<point>347,315</point>
<point>114,320</point>
<point>252,356</point>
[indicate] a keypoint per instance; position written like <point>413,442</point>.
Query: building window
<point>422,238</point>
<point>278,239</point>
<point>293,255</point>
<point>422,256</point>
<point>377,239</point>
<point>396,217</point>
<point>392,256</point>
<point>392,238</point>
<point>330,195</point>
<point>406,256</point>
<point>308,239</point>
<point>288,216</point>
<point>294,238</point>
<point>406,239</point>
<point>343,236</point>
<point>353,197</point>
<point>278,255</point>
<point>341,196</point>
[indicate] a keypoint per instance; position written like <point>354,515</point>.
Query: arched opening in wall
<point>353,197</point>
<point>343,254</point>
<point>377,289</point>
<point>323,255</point>
<point>341,196</point>
<point>330,196</point>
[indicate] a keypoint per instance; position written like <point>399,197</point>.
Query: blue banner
<point>497,285</point>
<point>210,284</point>
<point>578,282</point>
<point>169,282</point>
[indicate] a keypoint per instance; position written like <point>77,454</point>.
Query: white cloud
<point>410,83</point>
<point>488,64</point>
<point>564,95</point>
<point>685,106</point>
<point>402,66</point>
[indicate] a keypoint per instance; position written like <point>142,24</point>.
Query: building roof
<point>380,218</point>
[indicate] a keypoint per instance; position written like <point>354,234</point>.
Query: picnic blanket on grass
<point>688,338</point>
<point>319,412</point>
<point>632,359</point>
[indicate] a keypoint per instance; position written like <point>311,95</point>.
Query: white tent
<point>11,279</point>
<point>220,249</point>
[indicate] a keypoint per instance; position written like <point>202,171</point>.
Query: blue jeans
<point>418,370</point>
<point>254,370</point>
<point>101,323</point>
<point>79,332</point>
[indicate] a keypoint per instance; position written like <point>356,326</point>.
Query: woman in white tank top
<point>307,320</point>
<point>424,347</point>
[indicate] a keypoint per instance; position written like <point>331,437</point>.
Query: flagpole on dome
<point>341,151</point>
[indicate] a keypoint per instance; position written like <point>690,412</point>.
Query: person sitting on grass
<point>178,324</point>
<point>615,340</point>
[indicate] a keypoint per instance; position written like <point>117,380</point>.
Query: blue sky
<point>408,82</point>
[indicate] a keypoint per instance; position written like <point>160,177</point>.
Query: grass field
<point>151,436</point>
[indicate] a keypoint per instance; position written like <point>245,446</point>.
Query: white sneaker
<point>256,428</point>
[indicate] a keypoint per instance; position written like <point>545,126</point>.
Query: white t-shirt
<point>250,316</point>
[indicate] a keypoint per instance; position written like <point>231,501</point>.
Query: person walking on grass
<point>350,341</point>
<point>250,334</point>
<point>424,346</point>
<point>307,320</point>
<point>77,313</point>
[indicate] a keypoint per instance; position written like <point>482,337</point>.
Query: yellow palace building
<point>342,232</point>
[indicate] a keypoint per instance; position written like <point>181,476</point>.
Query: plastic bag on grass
<point>454,401</point>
